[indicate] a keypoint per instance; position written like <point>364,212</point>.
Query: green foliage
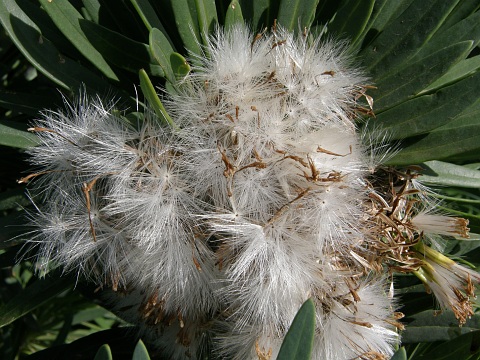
<point>422,56</point>
<point>298,342</point>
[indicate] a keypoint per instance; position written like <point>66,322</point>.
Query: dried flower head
<point>261,196</point>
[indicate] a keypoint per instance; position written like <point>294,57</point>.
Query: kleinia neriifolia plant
<point>210,232</point>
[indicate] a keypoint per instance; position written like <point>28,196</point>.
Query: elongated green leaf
<point>93,9</point>
<point>464,347</point>
<point>66,17</point>
<point>89,314</point>
<point>42,54</point>
<point>140,352</point>
<point>425,113</point>
<point>48,28</point>
<point>351,19</point>
<point>112,46</point>
<point>463,9</point>
<point>147,14</point>
<point>429,326</point>
<point>298,342</point>
<point>467,29</point>
<point>259,12</point>
<point>104,353</point>
<point>409,81</point>
<point>401,354</point>
<point>404,36</point>
<point>32,297</point>
<point>443,173</point>
<point>461,70</point>
<point>153,99</point>
<point>161,51</point>
<point>207,17</point>
<point>186,21</point>
<point>296,14</point>
<point>458,139</point>
<point>234,14</point>
<point>9,136</point>
<point>383,12</point>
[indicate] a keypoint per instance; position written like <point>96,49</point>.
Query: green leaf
<point>459,71</point>
<point>42,54</point>
<point>463,347</point>
<point>12,199</point>
<point>404,36</point>
<point>383,12</point>
<point>259,12</point>
<point>186,21</point>
<point>425,113</point>
<point>446,174</point>
<point>104,353</point>
<point>93,8</point>
<point>298,342</point>
<point>429,326</point>
<point>153,99</point>
<point>461,248</point>
<point>461,11</point>
<point>66,17</point>
<point>351,19</point>
<point>400,354</point>
<point>25,103</point>
<point>120,340</point>
<point>234,14</point>
<point>33,296</point>
<point>9,136</point>
<point>207,17</point>
<point>179,65</point>
<point>296,14</point>
<point>457,140</point>
<point>161,50</point>
<point>147,14</point>
<point>467,29</point>
<point>112,46</point>
<point>409,81</point>
<point>140,352</point>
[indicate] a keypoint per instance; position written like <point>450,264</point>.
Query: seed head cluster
<point>211,233</point>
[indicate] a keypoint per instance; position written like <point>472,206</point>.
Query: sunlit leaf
<point>153,99</point>
<point>446,174</point>
<point>161,50</point>
<point>186,21</point>
<point>10,136</point>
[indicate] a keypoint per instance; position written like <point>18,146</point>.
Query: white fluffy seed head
<point>253,202</point>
